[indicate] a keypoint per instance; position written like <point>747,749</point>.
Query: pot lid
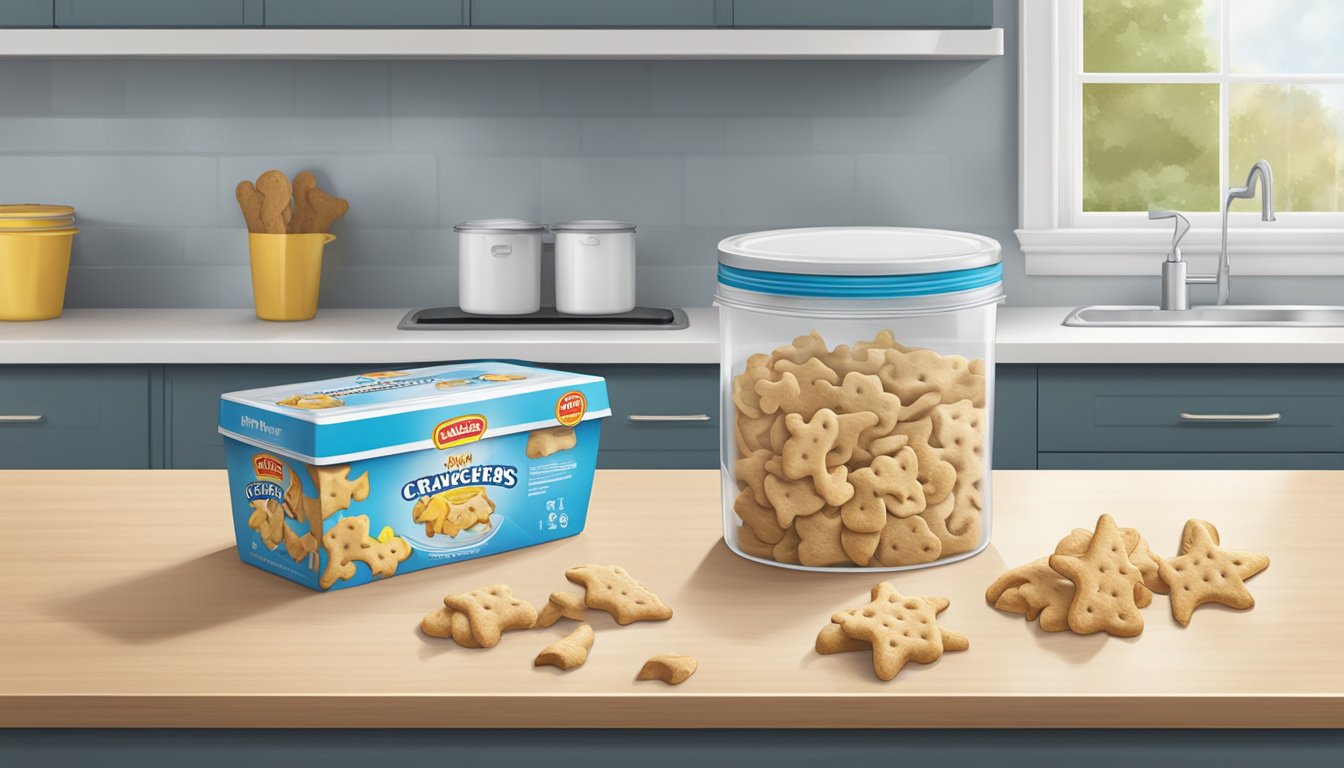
<point>858,251</point>
<point>593,225</point>
<point>500,226</point>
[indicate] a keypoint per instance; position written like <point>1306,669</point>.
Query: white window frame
<point>1059,240</point>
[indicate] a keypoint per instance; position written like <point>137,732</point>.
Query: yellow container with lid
<point>30,216</point>
<point>286,274</point>
<point>34,265</point>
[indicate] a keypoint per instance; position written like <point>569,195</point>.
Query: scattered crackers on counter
<point>1096,581</point>
<point>671,668</point>
<point>870,456</point>
<point>569,652</point>
<point>479,618</point>
<point>274,206</point>
<point>895,628</point>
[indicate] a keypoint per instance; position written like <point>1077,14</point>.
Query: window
<point>1132,105</point>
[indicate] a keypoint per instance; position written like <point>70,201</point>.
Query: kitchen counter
<point>128,606</point>
<point>232,336</point>
<point>226,336</point>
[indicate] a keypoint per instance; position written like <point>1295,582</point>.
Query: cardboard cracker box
<point>338,482</point>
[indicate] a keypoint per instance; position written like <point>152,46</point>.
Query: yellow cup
<point>33,270</point>
<point>286,274</point>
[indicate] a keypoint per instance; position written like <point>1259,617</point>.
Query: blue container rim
<point>860,286</point>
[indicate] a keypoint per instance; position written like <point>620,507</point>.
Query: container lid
<point>858,251</point>
<point>387,412</point>
<point>35,211</point>
<point>593,226</point>
<point>500,226</point>
<point>861,263</point>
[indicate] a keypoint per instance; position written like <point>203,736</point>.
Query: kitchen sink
<point>1218,315</point>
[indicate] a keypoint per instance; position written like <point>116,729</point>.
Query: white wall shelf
<point>504,43</point>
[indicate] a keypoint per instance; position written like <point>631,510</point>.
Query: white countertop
<point>232,336</point>
<point>1034,335</point>
<point>334,336</point>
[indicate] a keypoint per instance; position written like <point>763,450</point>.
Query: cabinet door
<point>1191,409</point>
<point>362,13</point>
<point>662,416</point>
<point>1014,417</point>
<point>599,13</point>
<point>27,13</point>
<point>159,13</point>
<point>74,417</point>
<point>919,14</point>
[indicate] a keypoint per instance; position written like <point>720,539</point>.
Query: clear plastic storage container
<point>857,387</point>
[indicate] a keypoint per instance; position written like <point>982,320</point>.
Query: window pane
<point>1150,146</point>
<point>1299,129</point>
<point>1150,35</point>
<point>1286,36</point>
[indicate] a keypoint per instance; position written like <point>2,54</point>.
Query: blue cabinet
<point>926,14</point>
<point>159,13</point>
<point>1191,417</point>
<point>648,427</point>
<point>362,13</point>
<point>76,417</point>
<point>1171,409</point>
<point>1014,417</point>
<point>600,13</point>
<point>27,13</point>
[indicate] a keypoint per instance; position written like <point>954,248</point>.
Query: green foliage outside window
<point>1155,145</point>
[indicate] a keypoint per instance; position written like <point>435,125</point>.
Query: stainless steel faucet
<point>1259,171</point>
<point>1175,281</point>
<point>1175,294</point>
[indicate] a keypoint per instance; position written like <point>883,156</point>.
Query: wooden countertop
<point>125,604</point>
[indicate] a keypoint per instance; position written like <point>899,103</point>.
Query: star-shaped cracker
<point>901,629</point>
<point>1206,573</point>
<point>1104,584</point>
<point>612,589</point>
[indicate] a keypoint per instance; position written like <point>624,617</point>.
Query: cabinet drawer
<point>639,433</point>
<point>27,13</point>
<point>68,417</point>
<point>159,13</point>
<point>362,13</point>
<point>1181,409</point>
<point>598,13</point>
<point>947,14</point>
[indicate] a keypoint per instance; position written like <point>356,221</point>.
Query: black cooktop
<point>454,319</point>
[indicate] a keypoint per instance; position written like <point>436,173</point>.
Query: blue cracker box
<point>336,483</point>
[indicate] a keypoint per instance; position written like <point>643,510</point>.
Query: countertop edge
<point>677,709</point>
<point>1026,336</point>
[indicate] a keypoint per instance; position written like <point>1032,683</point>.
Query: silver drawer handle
<point>641,418</point>
<point>21,418</point>
<point>1232,418</point>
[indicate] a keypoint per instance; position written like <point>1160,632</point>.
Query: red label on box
<point>267,466</point>
<point>463,429</point>
<point>570,408</point>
